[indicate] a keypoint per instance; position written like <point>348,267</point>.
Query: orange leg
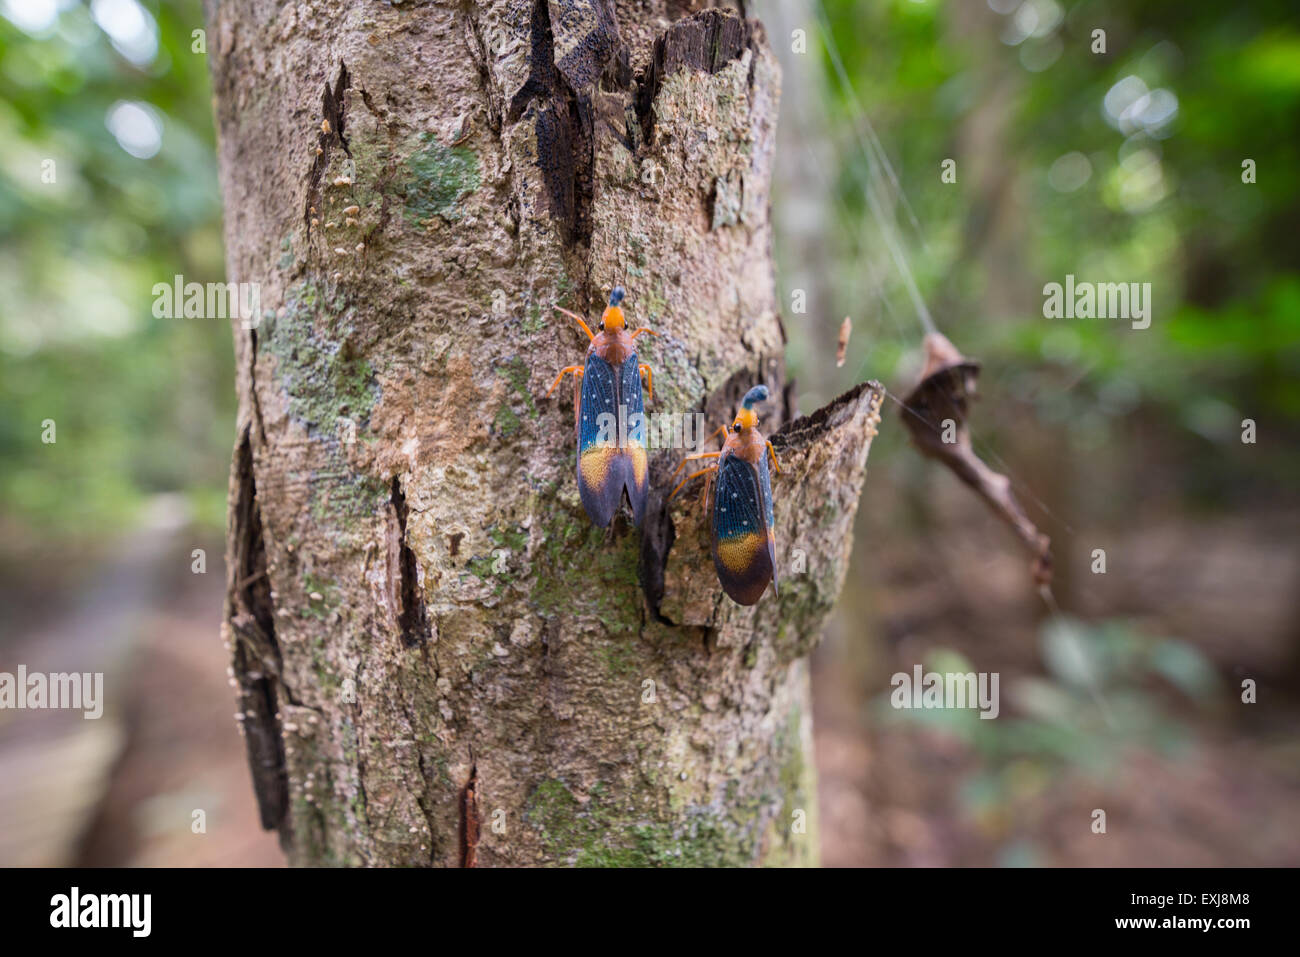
<point>711,468</point>
<point>692,458</point>
<point>579,320</point>
<point>577,398</point>
<point>645,330</point>
<point>775,464</point>
<point>722,429</point>
<point>577,373</point>
<point>649,379</point>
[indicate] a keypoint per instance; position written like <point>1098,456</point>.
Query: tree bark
<point>438,658</point>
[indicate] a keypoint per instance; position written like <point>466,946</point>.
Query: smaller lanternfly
<point>610,416</point>
<point>743,539</point>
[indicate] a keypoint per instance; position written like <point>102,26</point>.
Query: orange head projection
<point>611,319</point>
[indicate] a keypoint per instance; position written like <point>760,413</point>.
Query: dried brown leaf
<point>940,404</point>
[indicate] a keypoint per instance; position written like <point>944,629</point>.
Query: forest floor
<point>1187,774</point>
<point>894,797</point>
<point>183,751</point>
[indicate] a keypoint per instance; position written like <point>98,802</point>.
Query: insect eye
<point>601,327</point>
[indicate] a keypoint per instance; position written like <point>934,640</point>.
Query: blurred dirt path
<point>122,789</point>
<point>56,762</point>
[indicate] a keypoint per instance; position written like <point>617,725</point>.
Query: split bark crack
<point>330,135</point>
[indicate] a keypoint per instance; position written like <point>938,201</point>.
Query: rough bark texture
<point>423,623</point>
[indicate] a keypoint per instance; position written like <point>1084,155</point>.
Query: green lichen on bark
<point>286,253</point>
<point>797,790</point>
<point>516,372</point>
<point>600,833</point>
<point>348,495</point>
<point>328,384</point>
<point>506,423</point>
<point>322,597</point>
<point>439,177</point>
<point>580,569</point>
<point>519,399</point>
<point>622,659</point>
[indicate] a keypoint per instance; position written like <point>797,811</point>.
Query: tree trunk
<point>438,658</point>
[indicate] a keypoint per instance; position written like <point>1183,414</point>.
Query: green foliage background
<point>141,404</point>
<point>1222,255</point>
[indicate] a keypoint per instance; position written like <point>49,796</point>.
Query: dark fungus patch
<point>571,44</point>
<point>708,41</point>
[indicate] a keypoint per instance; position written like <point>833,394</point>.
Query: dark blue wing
<point>611,440</point>
<point>769,515</point>
<point>598,407</point>
<point>600,484</point>
<point>635,464</point>
<point>743,550</point>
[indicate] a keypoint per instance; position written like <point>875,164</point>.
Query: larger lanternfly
<point>610,416</point>
<point>743,536</point>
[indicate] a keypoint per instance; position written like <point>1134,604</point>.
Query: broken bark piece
<point>585,35</point>
<point>823,459</point>
<point>938,408</point>
<point>706,41</point>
